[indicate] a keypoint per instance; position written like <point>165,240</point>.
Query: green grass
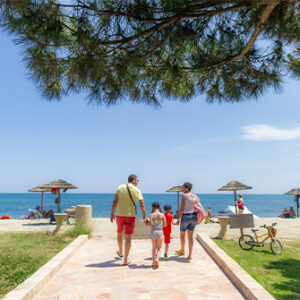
<point>278,274</point>
<point>78,230</point>
<point>21,254</point>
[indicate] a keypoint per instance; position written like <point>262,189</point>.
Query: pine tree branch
<point>209,4</point>
<point>172,20</point>
<point>260,25</point>
<point>147,49</point>
<point>189,12</point>
<point>156,27</point>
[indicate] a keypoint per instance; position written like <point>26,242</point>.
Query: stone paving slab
<point>95,273</point>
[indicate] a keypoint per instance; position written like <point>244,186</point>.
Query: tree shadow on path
<point>135,266</point>
<point>106,264</point>
<point>117,262</point>
<point>177,258</point>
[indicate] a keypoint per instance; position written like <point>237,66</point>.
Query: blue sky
<point>95,148</point>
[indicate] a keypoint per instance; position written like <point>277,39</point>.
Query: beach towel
<point>201,214</point>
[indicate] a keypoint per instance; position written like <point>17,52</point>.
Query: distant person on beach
<point>285,214</point>
<point>125,202</point>
<point>46,214</point>
<point>240,204</point>
<point>188,218</point>
<point>208,216</point>
<point>31,216</point>
<point>292,212</point>
<point>157,222</point>
<point>168,228</point>
<point>176,214</point>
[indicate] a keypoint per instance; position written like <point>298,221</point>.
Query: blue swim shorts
<point>188,222</point>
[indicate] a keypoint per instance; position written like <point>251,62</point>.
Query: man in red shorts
<point>125,202</point>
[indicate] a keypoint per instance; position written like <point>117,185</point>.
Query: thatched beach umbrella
<point>234,186</point>
<point>58,184</point>
<point>37,189</point>
<point>176,189</point>
<point>296,192</point>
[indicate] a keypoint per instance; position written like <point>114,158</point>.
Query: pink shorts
<point>126,225</point>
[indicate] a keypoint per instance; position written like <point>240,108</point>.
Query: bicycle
<point>247,242</point>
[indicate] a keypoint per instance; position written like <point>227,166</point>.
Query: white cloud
<point>262,132</point>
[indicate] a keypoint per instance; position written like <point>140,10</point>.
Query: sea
<point>262,205</point>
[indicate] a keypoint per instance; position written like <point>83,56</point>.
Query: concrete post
<point>223,234</point>
<point>83,216</point>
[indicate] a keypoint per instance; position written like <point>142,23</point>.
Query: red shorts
<point>167,235</point>
<point>126,225</point>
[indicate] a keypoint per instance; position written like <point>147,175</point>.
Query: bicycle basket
<point>273,230</point>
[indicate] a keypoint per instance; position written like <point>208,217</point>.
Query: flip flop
<point>178,252</point>
<point>118,253</point>
<point>127,264</point>
<point>189,258</point>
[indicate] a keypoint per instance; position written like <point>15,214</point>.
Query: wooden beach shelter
<point>296,192</point>
<point>176,189</point>
<point>58,184</point>
<point>234,186</point>
<point>37,189</point>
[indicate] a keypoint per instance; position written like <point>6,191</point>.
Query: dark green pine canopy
<point>151,50</point>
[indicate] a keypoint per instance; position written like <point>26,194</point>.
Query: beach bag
<point>199,210</point>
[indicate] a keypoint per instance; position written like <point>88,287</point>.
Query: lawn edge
<point>32,285</point>
<point>247,285</point>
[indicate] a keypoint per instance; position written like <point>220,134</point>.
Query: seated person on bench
<point>292,212</point>
<point>45,214</point>
<point>285,214</point>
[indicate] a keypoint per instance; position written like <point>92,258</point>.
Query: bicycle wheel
<point>243,242</point>
<point>276,247</point>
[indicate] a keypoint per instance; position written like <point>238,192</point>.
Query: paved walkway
<point>95,273</point>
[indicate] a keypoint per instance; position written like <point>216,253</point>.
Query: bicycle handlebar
<point>265,226</point>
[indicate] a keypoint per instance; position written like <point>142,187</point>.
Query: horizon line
<point>158,193</point>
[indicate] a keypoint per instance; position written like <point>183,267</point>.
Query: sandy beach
<point>288,229</point>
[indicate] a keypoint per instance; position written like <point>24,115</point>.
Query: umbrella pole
<point>297,201</point>
<point>235,201</point>
<point>42,201</point>
<point>58,199</point>
<point>177,203</point>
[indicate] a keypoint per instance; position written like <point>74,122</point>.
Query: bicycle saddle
<point>254,230</point>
